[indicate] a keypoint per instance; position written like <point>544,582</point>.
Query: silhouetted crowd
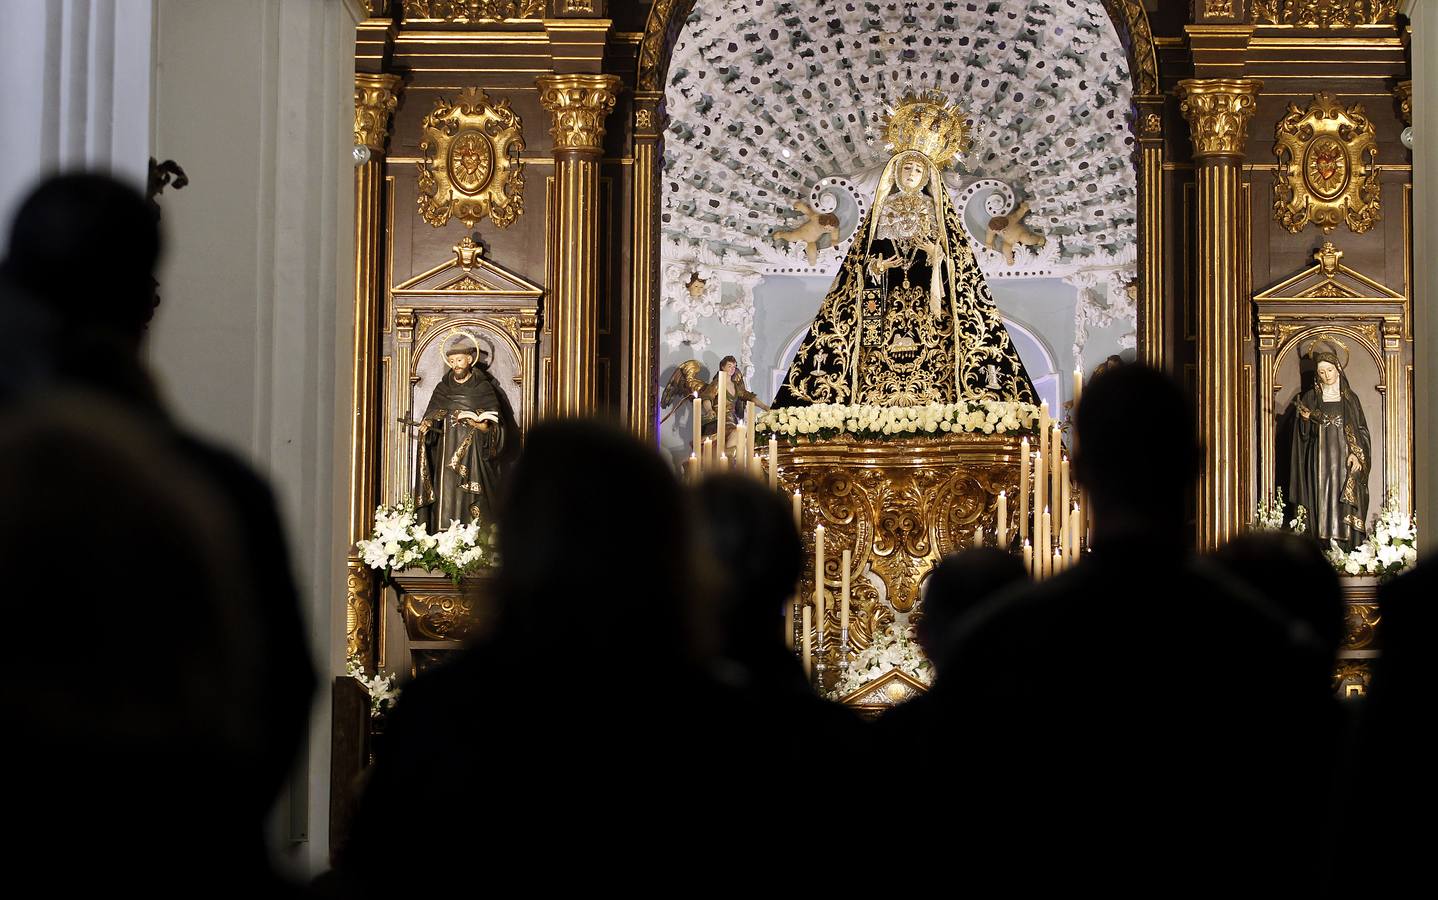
<point>1146,723</point>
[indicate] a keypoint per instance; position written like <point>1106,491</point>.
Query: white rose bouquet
<point>1392,546</point>
<point>400,542</point>
<point>827,420</point>
<point>889,650</point>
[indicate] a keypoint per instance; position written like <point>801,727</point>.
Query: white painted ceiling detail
<point>771,101</point>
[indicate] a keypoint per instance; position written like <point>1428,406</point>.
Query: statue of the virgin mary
<point>909,319</point>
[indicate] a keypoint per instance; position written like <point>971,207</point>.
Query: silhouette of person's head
<point>749,532</point>
<point>1291,573</point>
<point>102,224</point>
<point>959,583</point>
<point>595,545</point>
<point>1135,450</point>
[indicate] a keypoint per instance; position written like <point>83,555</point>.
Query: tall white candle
<point>722,407</point>
<point>805,625</point>
<point>789,624</point>
<point>1029,558</point>
<point>979,536</point>
<point>773,463</point>
<point>1078,390</point>
<point>1041,484</point>
<point>798,511</point>
<point>1064,502</point>
<point>844,593</point>
<point>1043,420</point>
<point>698,422</point>
<point>819,571</point>
<point>1024,489</point>
<point>741,444</point>
<point>1055,454</point>
<point>1045,542</point>
<point>1003,530</point>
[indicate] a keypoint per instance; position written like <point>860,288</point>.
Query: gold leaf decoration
<point>1327,170</point>
<point>470,166</point>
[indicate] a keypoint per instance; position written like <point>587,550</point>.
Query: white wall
<point>252,341</point>
<point>76,76</point>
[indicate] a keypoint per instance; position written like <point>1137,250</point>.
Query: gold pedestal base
<point>898,506</point>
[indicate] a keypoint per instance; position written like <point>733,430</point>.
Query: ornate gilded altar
<point>898,506</point>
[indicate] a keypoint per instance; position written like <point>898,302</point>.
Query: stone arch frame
<point>661,31</point>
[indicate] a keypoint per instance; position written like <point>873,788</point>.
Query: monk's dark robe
<point>1334,495</point>
<point>460,463</point>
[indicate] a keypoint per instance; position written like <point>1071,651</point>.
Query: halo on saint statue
<point>452,344</point>
<point>1314,346</point>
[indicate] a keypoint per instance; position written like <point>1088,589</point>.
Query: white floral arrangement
<point>399,541</point>
<point>1392,546</point>
<point>870,422</point>
<point>383,690</point>
<point>1268,516</point>
<point>891,649</point>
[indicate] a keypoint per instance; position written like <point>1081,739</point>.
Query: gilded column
<point>1218,111</point>
<point>1151,333</point>
<point>644,306</point>
<point>579,103</point>
<point>375,99</point>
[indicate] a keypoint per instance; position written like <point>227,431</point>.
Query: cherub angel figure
<point>688,380</point>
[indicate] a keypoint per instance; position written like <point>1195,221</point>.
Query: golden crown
<point>927,123</point>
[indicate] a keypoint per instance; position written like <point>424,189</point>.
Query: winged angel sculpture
<point>688,381</point>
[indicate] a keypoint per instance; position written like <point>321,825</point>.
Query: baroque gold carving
<point>1403,90</point>
<point>1218,111</point>
<point>470,166</point>
<point>464,11</point>
<point>899,507</point>
<point>1327,171</point>
<point>1130,20</point>
<point>1324,13</point>
<point>579,103</point>
<point>440,617</point>
<point>1152,123</point>
<point>375,100</point>
<point>1218,8</point>
<point>1360,625</point>
<point>1352,678</point>
<point>359,610</point>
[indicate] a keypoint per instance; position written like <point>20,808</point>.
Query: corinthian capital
<point>375,98</point>
<point>1404,93</point>
<point>1218,110</point>
<point>579,104</point>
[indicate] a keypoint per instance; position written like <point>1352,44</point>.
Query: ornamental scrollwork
<point>470,166</point>
<point>1324,13</point>
<point>467,11</point>
<point>579,104</point>
<point>1327,171</point>
<point>359,610</point>
<point>375,100</point>
<point>1218,111</point>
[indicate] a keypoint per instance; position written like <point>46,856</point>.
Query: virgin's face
<point>912,174</point>
<point>1327,373</point>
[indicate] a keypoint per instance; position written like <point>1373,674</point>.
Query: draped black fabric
<point>876,339</point>
<point>1334,494</point>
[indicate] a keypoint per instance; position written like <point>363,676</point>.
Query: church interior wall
<point>254,333</point>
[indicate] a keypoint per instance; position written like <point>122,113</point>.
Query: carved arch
<point>667,18</point>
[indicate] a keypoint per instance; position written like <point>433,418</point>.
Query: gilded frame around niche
<point>470,166</point>
<point>1327,171</point>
